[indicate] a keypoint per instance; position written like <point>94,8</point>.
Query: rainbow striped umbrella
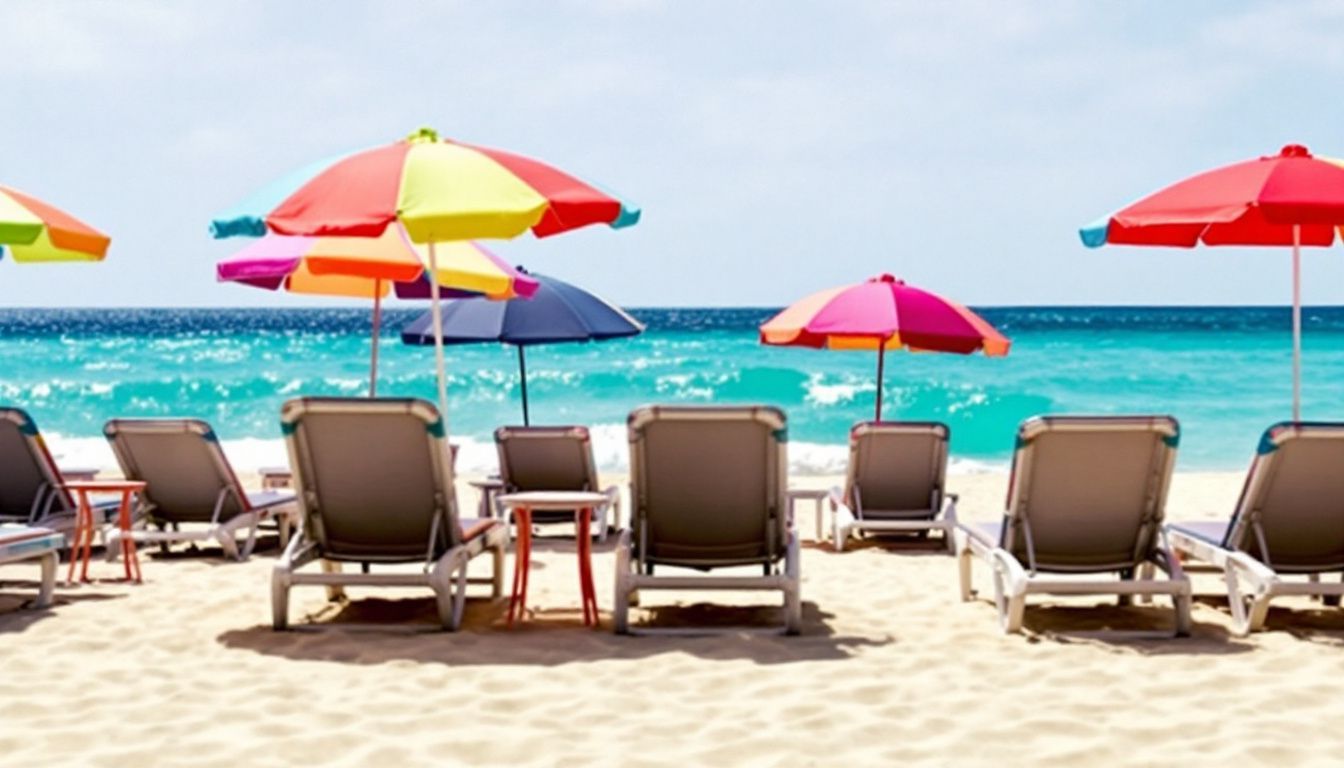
<point>438,190</point>
<point>369,267</point>
<point>882,313</point>
<point>32,230</point>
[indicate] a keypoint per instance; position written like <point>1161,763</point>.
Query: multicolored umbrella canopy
<point>371,268</point>
<point>882,313</point>
<point>438,190</point>
<point>557,312</point>
<point>32,230</point>
<point>1291,198</point>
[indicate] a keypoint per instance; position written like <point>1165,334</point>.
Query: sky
<point>776,148</point>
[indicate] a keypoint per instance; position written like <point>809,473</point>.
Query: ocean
<point>1224,372</point>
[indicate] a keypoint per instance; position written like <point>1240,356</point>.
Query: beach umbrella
<point>370,268</point>
<point>879,314</point>
<point>1292,198</point>
<point>437,190</point>
<point>558,312</point>
<point>31,230</point>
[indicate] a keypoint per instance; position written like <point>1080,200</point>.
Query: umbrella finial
<point>1294,150</point>
<point>886,277</point>
<point>423,135</point>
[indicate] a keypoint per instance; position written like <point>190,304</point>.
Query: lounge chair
<point>1289,521</point>
<point>554,459</point>
<point>707,489</point>
<point>31,492</point>
<point>376,487</point>
<point>22,542</point>
<point>1085,498</point>
<point>895,482</point>
<point>190,483</point>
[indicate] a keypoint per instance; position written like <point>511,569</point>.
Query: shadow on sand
<point>17,613</point>
<point>546,638</point>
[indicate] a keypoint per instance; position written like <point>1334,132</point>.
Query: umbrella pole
<point>522,374</point>
<point>881,359</point>
<point>1297,322</point>
<point>437,316</point>
<point>377,323</point>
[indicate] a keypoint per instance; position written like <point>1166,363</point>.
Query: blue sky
<point>777,148</point>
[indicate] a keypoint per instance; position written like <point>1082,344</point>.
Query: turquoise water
<point>1224,372</point>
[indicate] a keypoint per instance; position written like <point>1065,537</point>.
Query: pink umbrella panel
<point>883,313</point>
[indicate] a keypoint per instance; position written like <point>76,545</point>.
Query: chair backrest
<point>183,466</point>
<point>373,476</point>
<point>708,484</point>
<point>897,469</point>
<point>30,482</point>
<point>1087,493</point>
<point>546,459</point>
<point>1291,511</point>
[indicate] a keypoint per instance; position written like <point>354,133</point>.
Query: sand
<point>890,667</point>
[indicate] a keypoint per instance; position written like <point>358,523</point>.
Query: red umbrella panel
<point>1291,198</point>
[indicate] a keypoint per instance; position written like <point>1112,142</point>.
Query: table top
<point>105,485</point>
<point>809,493</point>
<point>547,500</point>
<point>489,482</point>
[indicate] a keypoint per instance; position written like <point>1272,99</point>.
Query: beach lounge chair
<point>1085,498</point>
<point>30,483</point>
<point>554,459</point>
<point>22,542</point>
<point>707,489</point>
<point>190,483</point>
<point>1288,522</point>
<point>376,487</point>
<point>895,482</point>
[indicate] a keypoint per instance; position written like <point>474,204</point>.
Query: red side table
<point>84,525</point>
<point>523,504</point>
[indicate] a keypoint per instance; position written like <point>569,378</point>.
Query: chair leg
<point>335,592</point>
<point>1181,603</point>
<point>964,556</point>
<point>1147,571</point>
<point>1249,610</point>
<point>793,599</point>
<point>280,584</point>
<point>50,560</point>
<point>1011,603</point>
<point>620,604</point>
<point>1124,600</point>
<point>1331,600</point>
<point>497,555</point>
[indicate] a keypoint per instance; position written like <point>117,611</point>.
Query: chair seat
<point>1212,531</point>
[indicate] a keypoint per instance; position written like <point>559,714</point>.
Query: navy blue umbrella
<point>557,312</point>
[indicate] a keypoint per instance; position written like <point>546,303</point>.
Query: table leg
<point>522,556</point>
<point>590,616</point>
<point>86,512</point>
<point>78,541</point>
<point>820,513</point>
<point>128,550</point>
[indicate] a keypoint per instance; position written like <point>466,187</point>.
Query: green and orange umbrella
<point>370,268</point>
<point>32,231</point>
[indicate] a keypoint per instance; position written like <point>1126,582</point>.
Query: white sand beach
<point>890,667</point>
